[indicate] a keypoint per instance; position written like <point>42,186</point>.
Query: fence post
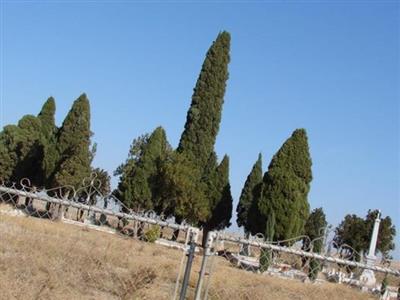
<point>207,252</point>
<point>189,263</point>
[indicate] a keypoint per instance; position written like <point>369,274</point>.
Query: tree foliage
<point>140,181</point>
<point>204,115</point>
<point>220,201</point>
<point>49,141</point>
<point>314,230</point>
<point>73,145</point>
<point>197,142</point>
<point>249,196</point>
<point>183,192</point>
<point>356,232</point>
<point>285,187</point>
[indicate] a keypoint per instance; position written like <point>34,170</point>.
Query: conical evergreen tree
<point>204,116</point>
<point>48,139</point>
<point>73,145</point>
<point>140,176</point>
<point>249,195</point>
<point>46,117</point>
<point>22,146</point>
<point>286,185</point>
<point>28,150</point>
<point>183,190</point>
<point>314,231</point>
<point>220,202</point>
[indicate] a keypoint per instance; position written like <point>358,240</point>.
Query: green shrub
<point>152,234</point>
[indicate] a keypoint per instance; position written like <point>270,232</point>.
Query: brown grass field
<point>40,259</point>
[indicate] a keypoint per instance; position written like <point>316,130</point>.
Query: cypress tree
<point>314,232</point>
<point>249,195</point>
<point>46,117</point>
<point>286,185</point>
<point>140,180</point>
<point>203,121</point>
<point>22,146</point>
<point>48,139</point>
<point>266,255</point>
<point>204,116</point>
<point>220,202</point>
<point>28,150</point>
<point>183,190</point>
<point>73,145</point>
<point>9,138</point>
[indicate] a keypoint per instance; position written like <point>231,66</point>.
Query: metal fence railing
<point>286,260</point>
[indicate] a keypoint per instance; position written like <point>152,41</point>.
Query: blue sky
<point>330,67</point>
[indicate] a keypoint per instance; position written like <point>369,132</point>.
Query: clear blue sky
<point>330,67</point>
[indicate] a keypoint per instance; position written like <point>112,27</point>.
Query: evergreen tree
<point>249,195</point>
<point>314,232</point>
<point>28,150</point>
<point>182,190</point>
<point>22,147</point>
<point>220,201</point>
<point>140,180</point>
<point>203,121</point>
<point>285,187</point>
<point>48,141</point>
<point>204,116</point>
<point>9,139</point>
<point>351,232</point>
<point>73,145</point>
<point>47,120</point>
<point>266,255</point>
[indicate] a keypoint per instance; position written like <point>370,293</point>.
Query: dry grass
<point>40,259</point>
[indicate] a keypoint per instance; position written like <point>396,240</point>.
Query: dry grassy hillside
<point>40,259</point>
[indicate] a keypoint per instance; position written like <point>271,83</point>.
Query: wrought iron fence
<point>288,260</point>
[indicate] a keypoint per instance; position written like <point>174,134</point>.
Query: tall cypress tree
<point>46,117</point>
<point>73,145</point>
<point>140,181</point>
<point>204,116</point>
<point>183,192</point>
<point>314,232</point>
<point>203,120</point>
<point>48,140</point>
<point>22,146</point>
<point>28,150</point>
<point>286,185</point>
<point>220,201</point>
<point>249,195</point>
